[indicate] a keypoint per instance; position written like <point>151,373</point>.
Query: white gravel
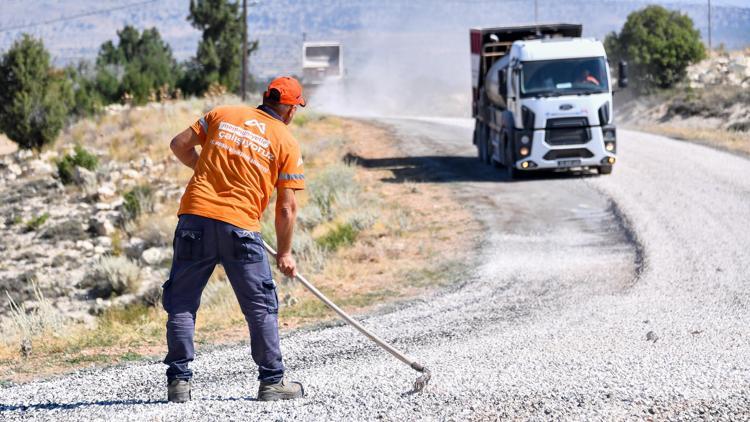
<point>549,322</point>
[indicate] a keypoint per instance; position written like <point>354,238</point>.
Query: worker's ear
<point>289,115</point>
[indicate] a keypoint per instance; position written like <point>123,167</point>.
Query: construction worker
<point>245,154</point>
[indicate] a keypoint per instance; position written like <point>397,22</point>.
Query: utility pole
<point>243,82</point>
<point>536,12</point>
<point>709,26</point>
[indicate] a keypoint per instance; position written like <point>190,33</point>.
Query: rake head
<point>421,382</point>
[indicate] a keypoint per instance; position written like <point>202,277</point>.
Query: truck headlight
<point>609,134</point>
<point>525,140</point>
<point>609,146</point>
<point>524,151</point>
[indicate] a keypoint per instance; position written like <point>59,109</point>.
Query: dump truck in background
<point>542,99</point>
<point>321,62</point>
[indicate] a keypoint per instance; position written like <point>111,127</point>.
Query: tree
<point>139,65</point>
<point>219,55</point>
<point>34,97</point>
<point>659,44</point>
<point>86,97</point>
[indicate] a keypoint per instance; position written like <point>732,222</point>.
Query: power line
<point>72,17</point>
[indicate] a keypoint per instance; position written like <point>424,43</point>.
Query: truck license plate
<point>568,163</point>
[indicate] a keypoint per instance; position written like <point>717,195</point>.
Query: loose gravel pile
<point>551,320</point>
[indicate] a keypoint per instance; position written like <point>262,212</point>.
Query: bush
<point>113,275</point>
<point>658,44</point>
<point>36,222</point>
<point>334,185</point>
<point>137,201</point>
<point>27,323</point>
<point>81,158</point>
<point>34,97</point>
<point>342,235</point>
<point>86,98</point>
<point>743,126</point>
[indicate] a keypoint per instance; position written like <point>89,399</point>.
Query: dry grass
<point>407,238</point>
<point>717,138</point>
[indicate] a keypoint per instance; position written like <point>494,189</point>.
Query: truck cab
<point>322,61</point>
<point>542,99</point>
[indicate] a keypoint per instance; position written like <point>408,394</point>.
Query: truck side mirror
<point>502,83</point>
<point>622,74</point>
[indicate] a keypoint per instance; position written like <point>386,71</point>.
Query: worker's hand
<point>286,265</point>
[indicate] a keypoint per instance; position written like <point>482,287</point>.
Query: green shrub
<point>80,158</point>
<point>36,222</point>
<point>659,44</point>
<point>743,126</point>
<point>113,275</point>
<point>334,185</point>
<point>34,97</point>
<point>86,98</point>
<point>137,201</point>
<point>342,235</point>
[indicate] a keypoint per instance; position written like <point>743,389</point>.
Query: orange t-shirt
<point>246,153</point>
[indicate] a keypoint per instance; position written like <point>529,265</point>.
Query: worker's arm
<point>286,213</point>
<point>183,147</point>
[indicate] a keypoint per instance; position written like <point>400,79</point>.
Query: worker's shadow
<point>72,406</point>
<point>100,403</point>
<point>450,169</point>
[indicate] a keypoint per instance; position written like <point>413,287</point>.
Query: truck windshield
<point>564,77</point>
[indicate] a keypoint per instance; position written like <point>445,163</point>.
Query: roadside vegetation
<point>679,89</point>
<point>37,100</point>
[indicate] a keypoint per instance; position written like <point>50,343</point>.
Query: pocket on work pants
<point>272,298</point>
<point>188,244</point>
<point>247,246</point>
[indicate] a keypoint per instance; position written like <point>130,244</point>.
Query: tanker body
<point>542,99</point>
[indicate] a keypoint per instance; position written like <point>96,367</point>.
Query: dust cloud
<point>401,74</point>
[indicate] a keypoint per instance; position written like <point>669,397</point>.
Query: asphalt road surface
<point>613,297</point>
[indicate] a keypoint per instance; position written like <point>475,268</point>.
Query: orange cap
<point>289,89</point>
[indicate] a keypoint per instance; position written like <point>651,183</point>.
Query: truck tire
<point>605,169</point>
<point>511,173</point>
<point>495,163</point>
<point>487,149</point>
<point>478,141</point>
<point>482,142</point>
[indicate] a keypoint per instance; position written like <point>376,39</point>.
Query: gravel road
<point>615,297</point>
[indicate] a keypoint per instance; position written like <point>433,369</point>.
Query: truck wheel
<point>480,150</point>
<point>605,169</point>
<point>479,141</point>
<point>487,150</point>
<point>511,172</point>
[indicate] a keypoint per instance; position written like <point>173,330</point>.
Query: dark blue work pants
<point>199,244</point>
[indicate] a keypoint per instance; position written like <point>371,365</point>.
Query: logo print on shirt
<point>261,126</point>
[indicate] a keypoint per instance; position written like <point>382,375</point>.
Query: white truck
<point>321,62</point>
<point>542,99</point>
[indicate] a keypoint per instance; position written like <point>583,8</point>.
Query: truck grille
<point>568,131</point>
<point>559,154</point>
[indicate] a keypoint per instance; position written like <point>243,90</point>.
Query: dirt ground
<point>6,145</point>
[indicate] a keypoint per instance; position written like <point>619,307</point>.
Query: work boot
<point>178,391</point>
<point>282,390</point>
